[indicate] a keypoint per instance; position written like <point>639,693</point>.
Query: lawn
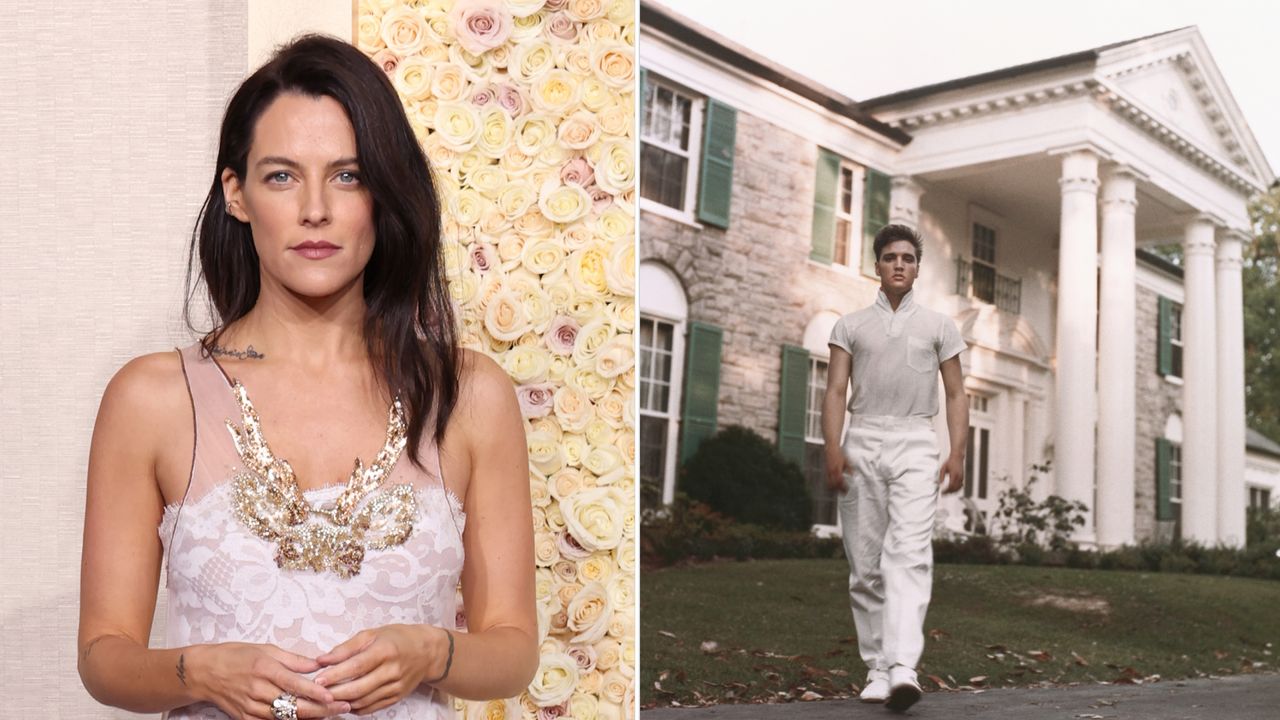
<point>775,630</point>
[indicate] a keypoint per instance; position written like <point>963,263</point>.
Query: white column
<point>1116,327</point>
<point>1231,497</point>
<point>1199,406</point>
<point>904,201</point>
<point>1076,337</point>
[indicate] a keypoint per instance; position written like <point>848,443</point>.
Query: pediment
<point>1173,79</point>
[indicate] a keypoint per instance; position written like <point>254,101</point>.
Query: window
<point>1175,341</point>
<point>815,462</point>
<point>978,501</point>
<point>984,263</point>
<point>1259,499</point>
<point>847,221</point>
<point>977,277</point>
<point>1175,486</point>
<point>656,413</point>
<point>670,127</point>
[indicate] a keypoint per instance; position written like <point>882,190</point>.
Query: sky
<point>865,48</point>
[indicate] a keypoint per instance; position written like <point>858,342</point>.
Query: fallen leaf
<point>1221,655</point>
<point>1079,660</point>
<point>937,634</point>
<point>942,684</point>
<point>709,646</point>
<point>810,695</point>
<point>839,673</point>
<point>978,680</point>
<point>1039,655</point>
<point>665,633</point>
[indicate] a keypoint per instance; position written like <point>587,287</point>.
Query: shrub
<point>740,474</point>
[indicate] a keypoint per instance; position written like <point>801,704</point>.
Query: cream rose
<point>616,224</point>
<point>596,568</point>
<point>466,205</point>
<point>563,203</point>
<point>579,131</point>
<point>387,60</point>
<point>615,685</point>
<point>413,78</point>
<point>576,448</point>
<point>589,613</point>
<point>403,30</point>
<point>621,589</point>
<point>591,338</point>
<point>554,92</point>
<point>534,133</point>
<point>604,461</point>
<point>616,168</point>
<point>614,64</point>
<point>616,357</point>
<point>565,482</point>
<point>480,25</point>
<point>625,557</point>
<point>531,60</point>
<point>538,492</point>
<point>488,181</point>
<point>585,10</point>
<point>544,454</point>
<point>504,317</point>
<point>608,654</point>
<point>515,198</point>
<point>523,8</point>
<point>448,81</point>
<point>526,363</point>
<point>573,408</point>
<point>496,130</point>
<point>554,682</point>
<point>615,119</point>
<point>458,125</point>
<point>587,271</point>
<point>595,516</point>
<point>566,571</point>
<point>613,406</point>
<point>542,256</point>
<point>545,551</point>
<point>369,32</point>
<point>596,95</point>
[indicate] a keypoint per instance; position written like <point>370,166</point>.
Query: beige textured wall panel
<point>108,124</point>
<point>275,22</point>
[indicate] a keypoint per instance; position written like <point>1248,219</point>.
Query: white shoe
<point>904,689</point>
<point>877,688</point>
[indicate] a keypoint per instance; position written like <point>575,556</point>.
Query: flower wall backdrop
<point>525,109</point>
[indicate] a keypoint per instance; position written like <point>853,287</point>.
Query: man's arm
<point>838,370</point>
<point>957,425</point>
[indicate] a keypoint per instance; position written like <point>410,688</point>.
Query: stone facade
<point>1157,399</point>
<point>755,279</point>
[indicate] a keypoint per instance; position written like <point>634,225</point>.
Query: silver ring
<point>285,707</point>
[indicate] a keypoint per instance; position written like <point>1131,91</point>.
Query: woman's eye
<point>348,178</point>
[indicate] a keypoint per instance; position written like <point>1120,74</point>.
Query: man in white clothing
<point>886,469</point>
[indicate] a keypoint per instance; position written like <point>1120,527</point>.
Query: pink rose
<point>480,25</point>
<point>584,655</point>
<point>554,4</point>
<point>510,99</point>
<point>483,256</point>
<point>386,60</point>
<point>569,547</point>
<point>553,712</point>
<point>577,171</point>
<point>600,198</point>
<point>483,96</point>
<point>562,334</point>
<point>559,26</point>
<point>536,400</point>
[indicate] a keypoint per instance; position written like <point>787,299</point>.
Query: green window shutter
<point>794,403</point>
<point>701,386</point>
<point>715,181</point>
<point>875,215</point>
<point>1165,352</point>
<point>1164,471</point>
<point>824,206</point>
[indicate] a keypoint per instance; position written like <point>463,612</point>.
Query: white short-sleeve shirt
<point>896,356</point>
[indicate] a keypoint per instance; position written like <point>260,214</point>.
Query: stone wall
<point>755,280</point>
<point>1157,399</point>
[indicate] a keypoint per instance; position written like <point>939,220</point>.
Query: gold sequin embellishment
<point>267,499</point>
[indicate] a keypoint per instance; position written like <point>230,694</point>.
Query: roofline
<point>1054,63</point>
<point>721,48</point>
<point>1158,262</point>
<point>1269,450</point>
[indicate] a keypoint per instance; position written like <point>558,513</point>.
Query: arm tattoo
<point>182,670</point>
<point>247,354</point>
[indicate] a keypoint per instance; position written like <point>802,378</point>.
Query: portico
<point>1049,177</point>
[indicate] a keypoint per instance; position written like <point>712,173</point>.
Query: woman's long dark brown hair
<point>409,325</point>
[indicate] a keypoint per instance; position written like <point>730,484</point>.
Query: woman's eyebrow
<point>277,160</point>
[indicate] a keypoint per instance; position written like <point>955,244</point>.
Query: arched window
<point>664,312</point>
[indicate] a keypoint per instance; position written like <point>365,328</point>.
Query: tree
<point>1261,279</point>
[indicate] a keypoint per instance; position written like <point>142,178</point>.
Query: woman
<point>302,588</point>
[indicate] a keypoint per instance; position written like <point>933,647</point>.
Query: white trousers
<point>886,514</point>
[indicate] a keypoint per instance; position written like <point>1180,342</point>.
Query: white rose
<point>579,131</point>
<point>458,125</point>
<point>496,130</point>
<point>620,269</point>
<point>403,31</point>
<point>449,81</point>
<point>545,551</point>
<point>616,168</point>
<point>526,364</point>
<point>504,316</point>
<point>573,408</point>
<point>554,682</point>
<point>621,590</point>
<point>589,613</point>
<point>545,455</point>
<point>413,78</point>
<point>595,517</point>
<point>616,357</point>
<point>531,60</point>
<point>563,203</point>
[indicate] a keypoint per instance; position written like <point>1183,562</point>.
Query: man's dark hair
<point>893,233</point>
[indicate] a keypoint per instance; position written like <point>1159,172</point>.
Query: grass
<point>782,628</point>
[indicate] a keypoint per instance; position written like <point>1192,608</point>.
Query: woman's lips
<point>315,250</point>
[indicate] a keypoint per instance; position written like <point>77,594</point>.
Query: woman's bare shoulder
<point>485,394</point>
<point>150,388</point>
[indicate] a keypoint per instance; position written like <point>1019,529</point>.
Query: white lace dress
<point>224,583</point>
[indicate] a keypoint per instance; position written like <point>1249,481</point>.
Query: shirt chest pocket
<point>921,356</point>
